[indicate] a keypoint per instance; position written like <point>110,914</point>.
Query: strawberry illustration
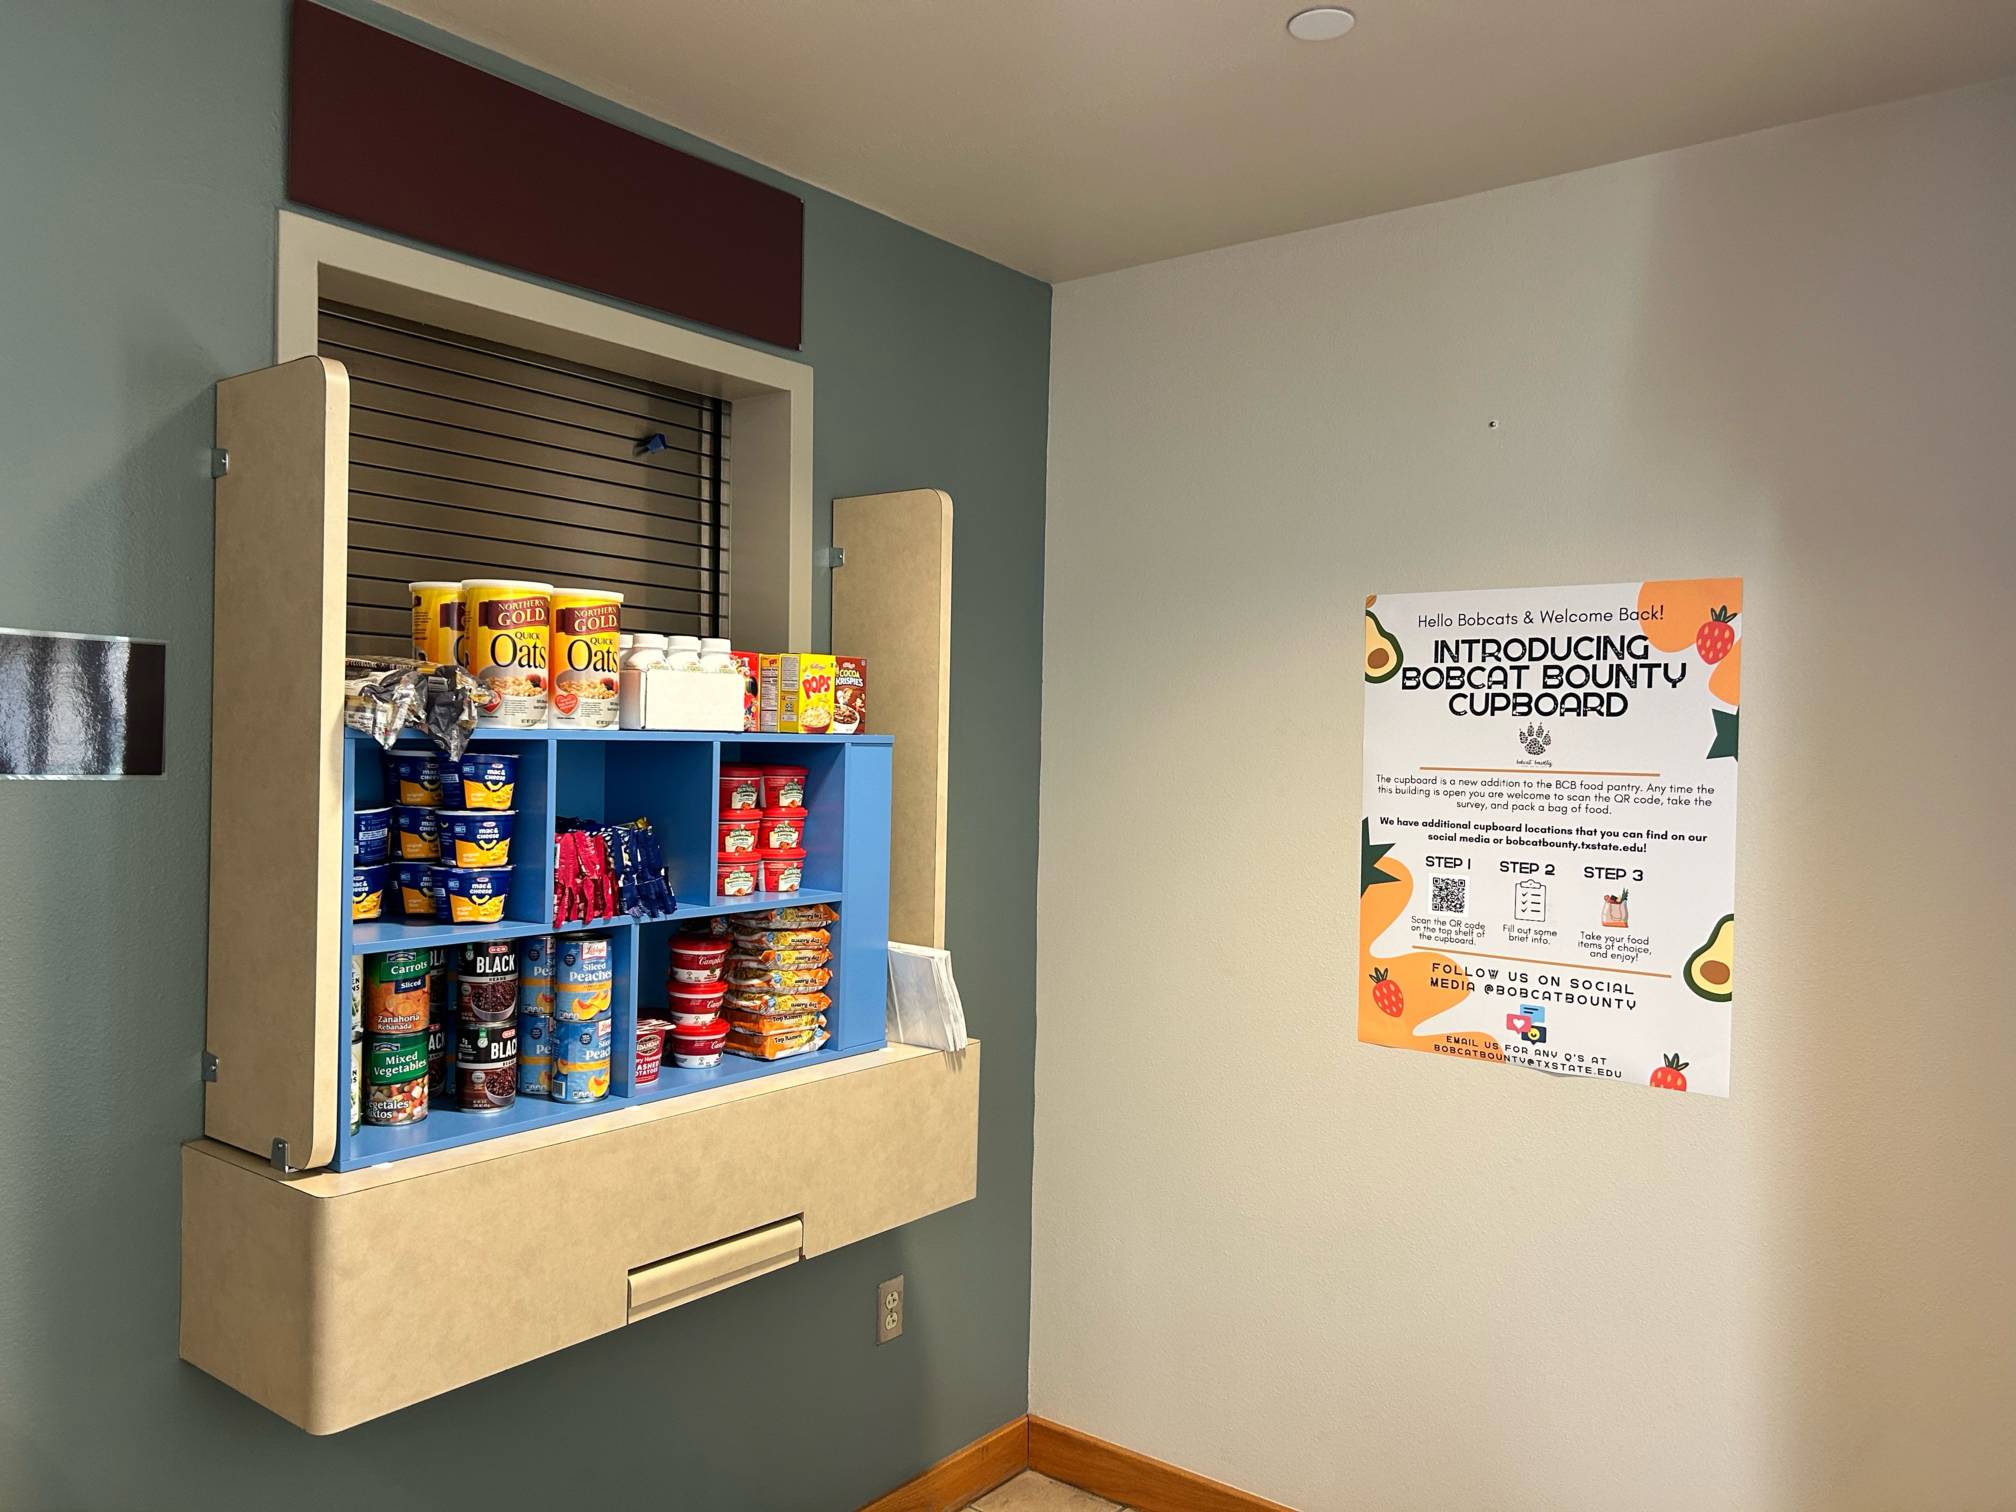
<point>1669,1076</point>
<point>1715,639</point>
<point>1386,994</point>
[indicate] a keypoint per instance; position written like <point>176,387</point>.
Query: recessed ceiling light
<point>1323,24</point>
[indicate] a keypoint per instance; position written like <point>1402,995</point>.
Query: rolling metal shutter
<point>472,459</point>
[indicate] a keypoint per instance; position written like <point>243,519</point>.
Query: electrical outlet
<point>889,1311</point>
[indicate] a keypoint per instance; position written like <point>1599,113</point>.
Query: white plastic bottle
<point>682,652</point>
<point>714,655</point>
<point>642,654</point>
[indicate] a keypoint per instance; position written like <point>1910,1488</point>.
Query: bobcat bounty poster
<point>1547,867</point>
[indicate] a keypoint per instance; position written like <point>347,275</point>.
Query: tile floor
<point>1030,1492</point>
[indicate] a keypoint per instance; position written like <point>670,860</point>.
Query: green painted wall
<point>140,171</point>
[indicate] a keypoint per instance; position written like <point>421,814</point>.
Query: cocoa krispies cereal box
<point>850,695</point>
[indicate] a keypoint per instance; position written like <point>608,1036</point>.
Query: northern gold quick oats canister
<point>437,621</point>
<point>585,659</point>
<point>506,628</point>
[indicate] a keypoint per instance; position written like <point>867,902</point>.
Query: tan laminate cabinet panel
<point>892,603</point>
<point>333,1298</point>
<point>276,761</point>
<point>715,1267</point>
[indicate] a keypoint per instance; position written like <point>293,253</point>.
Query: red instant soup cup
<point>698,958</point>
<point>783,787</point>
<point>698,1045</point>
<point>741,788</point>
<point>650,1049</point>
<point>691,1003</point>
<point>741,833</point>
<point>737,876</point>
<point>783,870</point>
<point>781,829</point>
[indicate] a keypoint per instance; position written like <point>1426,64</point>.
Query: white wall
<point>1346,1277</point>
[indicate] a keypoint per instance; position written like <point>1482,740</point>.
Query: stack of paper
<point>924,1007</point>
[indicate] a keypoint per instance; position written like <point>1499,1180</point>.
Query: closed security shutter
<point>472,459</point>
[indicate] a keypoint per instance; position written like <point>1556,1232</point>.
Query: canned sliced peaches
<point>506,628</point>
<point>584,662</point>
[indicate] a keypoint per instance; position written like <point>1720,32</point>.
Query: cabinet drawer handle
<point>714,1267</point>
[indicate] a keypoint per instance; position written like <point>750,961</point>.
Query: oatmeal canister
<point>395,1078</point>
<point>486,1066</point>
<point>506,626</point>
<point>437,621</point>
<point>584,978</point>
<point>397,992</point>
<point>486,985</point>
<point>585,663</point>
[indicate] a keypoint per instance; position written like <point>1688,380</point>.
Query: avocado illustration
<point>1711,970</point>
<point>1382,652</point>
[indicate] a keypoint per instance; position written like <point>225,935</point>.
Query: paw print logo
<point>1535,739</point>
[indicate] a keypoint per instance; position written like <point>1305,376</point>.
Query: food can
<point>440,985</point>
<point>416,833</point>
<point>582,1044</point>
<point>437,621</point>
<point>585,662</point>
<point>356,1080</point>
<point>486,1066</point>
<point>395,1078</point>
<point>535,1055</point>
<point>416,776</point>
<point>583,977</point>
<point>396,992</point>
<point>535,1076</point>
<point>486,982</point>
<point>583,1083</point>
<point>356,994</point>
<point>650,1050</point>
<point>535,976</point>
<point>437,1058</point>
<point>506,625</point>
<point>477,837</point>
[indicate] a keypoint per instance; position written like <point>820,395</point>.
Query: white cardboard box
<point>665,699</point>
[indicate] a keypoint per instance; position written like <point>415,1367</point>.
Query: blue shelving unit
<point>672,778</point>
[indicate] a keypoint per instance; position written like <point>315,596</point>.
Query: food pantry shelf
<point>371,936</point>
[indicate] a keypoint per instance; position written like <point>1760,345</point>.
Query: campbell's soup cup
<point>698,958</point>
<point>697,1046</point>
<point>782,829</point>
<point>690,1003</point>
<point>741,788</point>
<point>783,787</point>
<point>485,780</point>
<point>783,870</point>
<point>738,876</point>
<point>741,833</point>
<point>586,665</point>
<point>506,633</point>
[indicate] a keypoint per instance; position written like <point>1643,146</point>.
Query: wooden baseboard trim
<point>1131,1479</point>
<point>963,1475</point>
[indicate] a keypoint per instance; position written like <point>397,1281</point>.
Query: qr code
<point>1449,893</point>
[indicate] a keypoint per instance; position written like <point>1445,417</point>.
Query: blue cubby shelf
<point>671,777</point>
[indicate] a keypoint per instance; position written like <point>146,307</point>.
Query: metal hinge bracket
<point>279,1157</point>
<point>220,461</point>
<point>832,556</point>
<point>209,1066</point>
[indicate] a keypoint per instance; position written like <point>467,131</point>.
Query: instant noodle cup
<point>371,835</point>
<point>477,837</point>
<point>697,1046</point>
<point>741,789</point>
<point>506,630</point>
<point>740,833</point>
<point>586,660</point>
<point>485,780</point>
<point>416,776</point>
<point>783,787</point>
<point>781,829</point>
<point>694,1002</point>
<point>698,958</point>
<point>650,1049</point>
<point>367,891</point>
<point>738,876</point>
<point>421,893</point>
<point>783,870</point>
<point>437,621</point>
<point>416,833</point>
<point>476,894</point>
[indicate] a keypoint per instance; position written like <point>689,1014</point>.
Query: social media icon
<point>1518,1023</point>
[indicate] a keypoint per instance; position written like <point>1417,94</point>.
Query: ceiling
<point>1069,137</point>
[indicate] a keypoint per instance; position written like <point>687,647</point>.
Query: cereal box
<point>850,695</point>
<point>796,693</point>
<point>750,665</point>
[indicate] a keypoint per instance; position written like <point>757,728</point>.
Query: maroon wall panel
<point>383,131</point>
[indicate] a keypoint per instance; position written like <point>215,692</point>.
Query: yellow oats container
<point>437,621</point>
<point>506,627</point>
<point>584,661</point>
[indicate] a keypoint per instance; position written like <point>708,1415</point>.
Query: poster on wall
<point>1547,871</point>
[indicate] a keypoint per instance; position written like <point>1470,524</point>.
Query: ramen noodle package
<point>796,916</point>
<point>774,1046</point>
<point>748,940</point>
<point>763,1004</point>
<point>506,627</point>
<point>801,957</point>
<point>788,1023</point>
<point>777,978</point>
<point>587,673</point>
